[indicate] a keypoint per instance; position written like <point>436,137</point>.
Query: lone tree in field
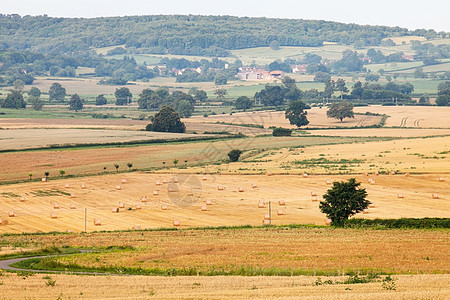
<point>234,155</point>
<point>76,103</point>
<point>343,200</point>
<point>166,120</point>
<point>129,165</point>
<point>13,100</point>
<point>340,111</point>
<point>296,113</point>
<point>56,92</point>
<point>123,96</point>
<point>62,172</point>
<point>243,102</point>
<point>117,167</point>
<point>220,93</point>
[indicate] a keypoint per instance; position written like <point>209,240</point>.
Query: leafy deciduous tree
<point>100,100</point>
<point>243,102</point>
<point>57,92</point>
<point>234,155</point>
<point>13,100</point>
<point>340,111</point>
<point>344,200</point>
<point>123,96</point>
<point>166,120</point>
<point>296,113</point>
<point>75,103</point>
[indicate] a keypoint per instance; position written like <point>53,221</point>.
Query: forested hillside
<point>178,34</point>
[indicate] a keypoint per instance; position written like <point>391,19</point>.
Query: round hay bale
<point>73,195</point>
<point>313,194</point>
<point>164,181</point>
<point>118,187</point>
<point>44,179</point>
<point>441,178</point>
<point>281,202</point>
<point>400,196</point>
<point>261,205</point>
<point>97,222</point>
<point>313,198</point>
<point>266,222</point>
<point>170,189</point>
<point>328,182</point>
<point>328,222</point>
<point>67,186</point>
<point>72,206</point>
<point>121,205</point>
<point>204,208</point>
<point>124,180</point>
<point>144,199</point>
<point>305,175</point>
<point>137,227</point>
<point>4,222</point>
<point>435,196</point>
<point>254,185</point>
<point>55,205</point>
<point>83,186</point>
<point>269,174</point>
<point>163,207</point>
<point>176,223</point>
<point>208,202</point>
<point>138,206</point>
<point>371,205</point>
<point>220,188</point>
<point>280,212</point>
<point>266,217</point>
<point>11,214</point>
<point>365,211</point>
<point>53,216</point>
<point>241,189</point>
<point>115,210</point>
<point>175,180</point>
<point>155,193</point>
<point>392,173</point>
<point>204,178</point>
<point>158,182</point>
<point>376,173</point>
<point>21,199</point>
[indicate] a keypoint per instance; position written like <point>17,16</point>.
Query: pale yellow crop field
<point>316,116</point>
<point>412,116</point>
<point>408,287</point>
<point>185,199</point>
<point>36,138</point>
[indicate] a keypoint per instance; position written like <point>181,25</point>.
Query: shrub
<point>234,155</point>
<point>279,131</point>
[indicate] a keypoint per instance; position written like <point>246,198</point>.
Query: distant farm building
<point>259,74</point>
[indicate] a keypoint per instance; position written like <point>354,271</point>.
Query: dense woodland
<point>183,34</point>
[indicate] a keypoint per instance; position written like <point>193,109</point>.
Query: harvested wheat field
<point>236,204</point>
<point>38,138</point>
<point>412,116</point>
<point>316,116</point>
<point>432,287</point>
<point>414,155</point>
<point>17,165</point>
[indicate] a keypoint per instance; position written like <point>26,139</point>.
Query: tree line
<point>184,34</point>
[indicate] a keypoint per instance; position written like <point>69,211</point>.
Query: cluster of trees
<point>123,70</point>
<point>377,57</point>
<point>443,98</point>
<point>166,120</point>
<point>376,91</point>
<point>182,102</point>
<point>178,34</point>
<point>429,51</point>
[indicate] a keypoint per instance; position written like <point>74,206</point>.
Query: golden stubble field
<point>425,287</point>
<point>184,200</point>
